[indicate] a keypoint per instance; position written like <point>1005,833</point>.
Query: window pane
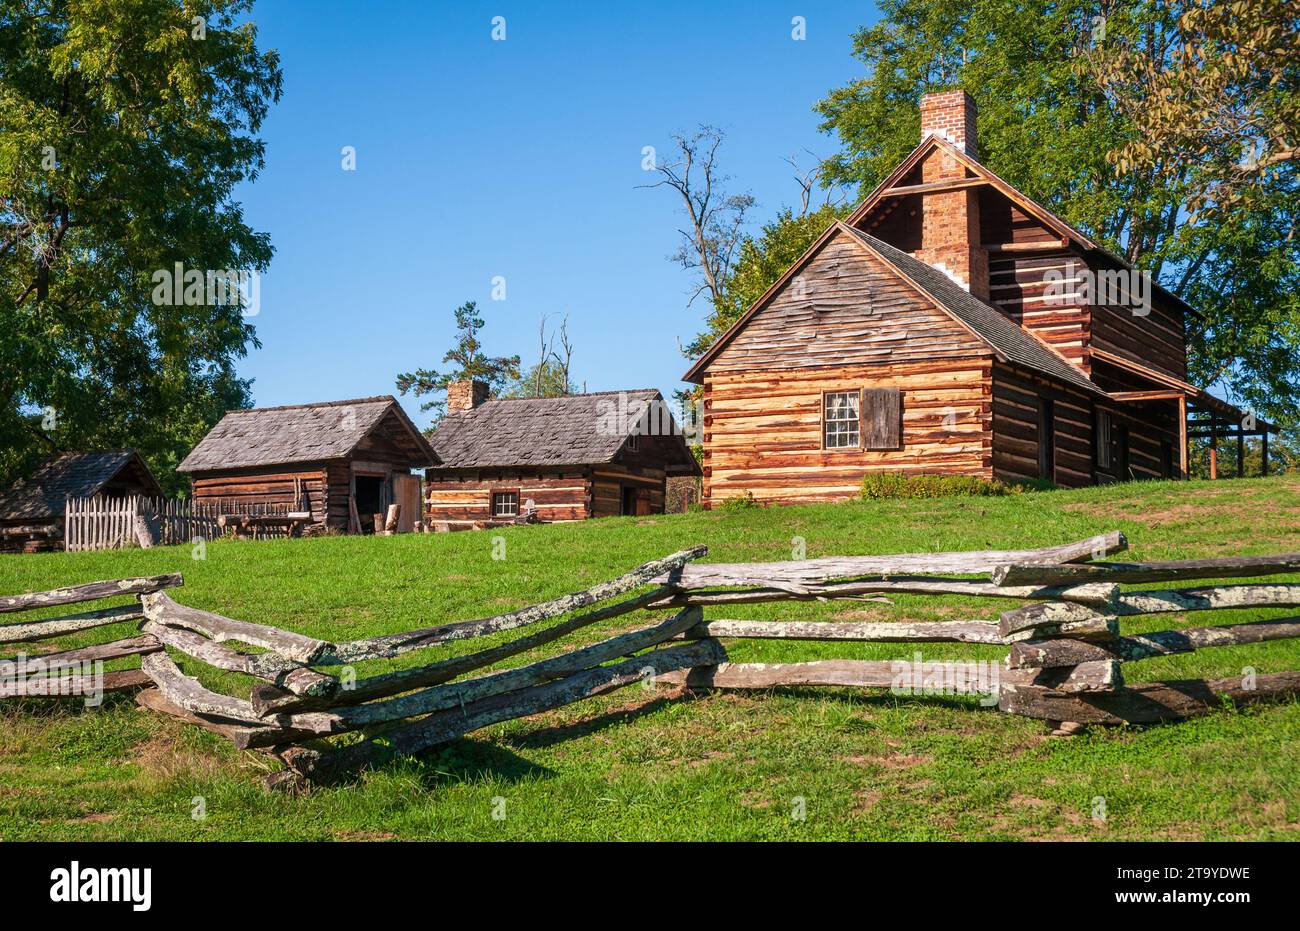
<point>840,420</point>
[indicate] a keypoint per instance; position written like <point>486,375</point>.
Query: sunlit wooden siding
<point>763,430</point>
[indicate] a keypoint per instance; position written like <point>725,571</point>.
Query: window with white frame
<point>841,419</point>
<point>505,504</point>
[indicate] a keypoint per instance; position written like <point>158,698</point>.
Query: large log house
<point>953,325</point>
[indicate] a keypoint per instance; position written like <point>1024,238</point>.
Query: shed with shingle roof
<point>340,462</point>
<point>574,457</point>
<point>32,507</point>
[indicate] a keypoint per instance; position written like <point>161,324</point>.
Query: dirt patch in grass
<point>98,817</point>
<point>365,835</point>
<point>163,758</point>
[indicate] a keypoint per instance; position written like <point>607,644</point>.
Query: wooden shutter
<point>882,418</point>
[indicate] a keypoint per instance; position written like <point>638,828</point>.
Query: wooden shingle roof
<point>44,494</point>
<point>267,436</point>
<point>578,429</point>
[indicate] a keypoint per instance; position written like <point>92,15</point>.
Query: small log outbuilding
<point>340,463</point>
<point>32,508</point>
<point>573,457</point>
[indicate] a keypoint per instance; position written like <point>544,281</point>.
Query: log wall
<point>464,498</point>
<point>1038,291</point>
<point>1017,396</point>
<point>269,486</point>
<point>609,480</point>
<point>763,430</point>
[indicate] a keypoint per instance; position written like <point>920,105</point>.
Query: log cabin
<point>340,463</point>
<point>951,324</point>
<point>32,508</point>
<point>567,458</point>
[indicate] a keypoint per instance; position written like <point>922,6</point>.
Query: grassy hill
<point>634,765</point>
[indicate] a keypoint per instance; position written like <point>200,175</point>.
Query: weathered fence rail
<point>1064,663</point>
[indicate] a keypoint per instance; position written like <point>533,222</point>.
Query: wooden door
<point>406,493</point>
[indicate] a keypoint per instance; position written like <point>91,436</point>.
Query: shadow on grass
<point>468,760</point>
<point>560,733</point>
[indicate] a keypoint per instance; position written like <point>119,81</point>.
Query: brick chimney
<point>465,396</point>
<point>950,220</point>
<point>951,115</point>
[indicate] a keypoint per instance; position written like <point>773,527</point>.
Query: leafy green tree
<point>469,363</point>
<point>547,379</point>
<point>1050,127</point>
<point>124,127</point>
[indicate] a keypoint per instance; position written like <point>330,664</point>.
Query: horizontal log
<point>886,632</point>
<point>1101,596</point>
<point>856,673</point>
<point>1208,598</point>
<point>76,686</point>
<point>289,677</point>
<point>187,693</point>
<point>1099,676</point>
<point>1225,567</point>
<point>270,700</point>
<point>58,626</point>
<point>391,645</point>
<point>464,694</point>
<point>89,591</point>
<point>241,735</point>
<point>1050,614</point>
<point>1147,703</point>
<point>445,726</point>
<point>796,575</point>
<point>100,652</point>
<point>1045,653</point>
<point>160,608</point>
<point>1094,628</point>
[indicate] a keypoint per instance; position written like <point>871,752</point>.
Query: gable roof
<point>44,494</point>
<point>696,372</point>
<point>1007,340</point>
<point>300,433</point>
<point>576,429</point>
<point>1011,342</point>
<point>1026,203</point>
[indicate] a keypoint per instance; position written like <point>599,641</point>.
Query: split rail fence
<point>1066,647</point>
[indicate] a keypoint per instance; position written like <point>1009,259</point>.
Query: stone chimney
<point>950,219</point>
<point>950,115</point>
<point>465,396</point>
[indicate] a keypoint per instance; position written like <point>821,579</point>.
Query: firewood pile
<point>1065,663</point>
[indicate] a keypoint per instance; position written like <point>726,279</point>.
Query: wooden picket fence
<point>1064,665</point>
<point>104,522</point>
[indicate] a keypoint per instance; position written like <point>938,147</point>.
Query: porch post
<point>1182,436</point>
<point>1264,452</point>
<point>1214,451</point>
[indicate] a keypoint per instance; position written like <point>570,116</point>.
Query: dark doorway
<point>1121,453</point>
<point>1046,439</point>
<point>370,500</point>
<point>629,501</point>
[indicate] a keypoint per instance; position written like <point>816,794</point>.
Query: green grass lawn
<point>636,766</point>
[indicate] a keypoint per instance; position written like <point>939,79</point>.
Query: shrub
<point>740,503</point>
<point>878,485</point>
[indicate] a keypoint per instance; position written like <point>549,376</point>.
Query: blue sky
<point>477,158</point>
